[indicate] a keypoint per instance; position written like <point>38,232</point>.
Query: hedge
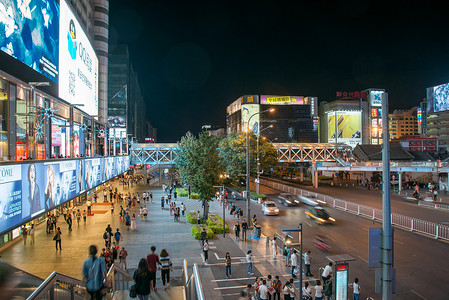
<point>217,227</point>
<point>182,192</point>
<point>192,218</point>
<point>196,232</point>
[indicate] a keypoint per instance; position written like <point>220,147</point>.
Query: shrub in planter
<point>196,232</point>
<point>192,218</point>
<point>215,222</point>
<point>194,196</point>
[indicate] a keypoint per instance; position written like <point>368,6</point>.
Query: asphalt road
<point>373,198</point>
<point>420,262</point>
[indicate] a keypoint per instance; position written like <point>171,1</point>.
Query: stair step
<point>173,293</point>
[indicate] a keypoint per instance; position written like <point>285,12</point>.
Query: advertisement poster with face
<point>68,180</point>
<point>108,167</point>
<point>33,184</point>
<point>88,174</point>
<point>52,190</point>
<point>120,165</point>
<point>95,172</point>
<point>11,200</point>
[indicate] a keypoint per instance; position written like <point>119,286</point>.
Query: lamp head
<point>272,110</point>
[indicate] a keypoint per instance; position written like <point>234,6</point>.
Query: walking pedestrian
<point>122,258</point>
<point>244,229</point>
<point>277,285</point>
<point>166,265</point>
<point>117,236</point>
<point>249,259</point>
<point>94,271</point>
<point>263,290</point>
<point>356,289</point>
<point>78,217</point>
<point>142,277</point>
<point>198,217</point>
<point>327,288</point>
<point>327,271</point>
<point>69,222</point>
<point>64,213</point>
<point>145,213</point>
<point>141,213</point>
<point>306,291</point>
<point>152,260</point>
<point>294,263</point>
<point>89,207</point>
<point>183,209</point>
<point>24,234</point>
<point>206,251</point>
<point>57,238</point>
<point>32,234</point>
<point>274,247</point>
<point>256,285</point>
<point>127,221</point>
<point>151,197</point>
<point>162,202</point>
<point>84,216</point>
<point>203,235</point>
<point>228,265</point>
<point>237,231</point>
<point>307,261</point>
<point>318,290</point>
<point>133,222</point>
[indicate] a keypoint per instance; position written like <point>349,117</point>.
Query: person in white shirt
<point>249,259</point>
<point>263,290</point>
<point>356,287</point>
<point>294,263</point>
<point>273,245</point>
<point>306,291</point>
<point>318,290</point>
<point>307,260</point>
<point>206,251</point>
<point>327,271</point>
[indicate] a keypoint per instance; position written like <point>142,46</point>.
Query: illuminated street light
<point>257,161</point>
<point>248,192</point>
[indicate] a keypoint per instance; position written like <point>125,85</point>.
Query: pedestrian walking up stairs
<point>118,283</point>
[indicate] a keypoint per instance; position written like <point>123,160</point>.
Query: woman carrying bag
<point>142,277</point>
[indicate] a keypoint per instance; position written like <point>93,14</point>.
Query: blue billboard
<point>438,98</point>
<point>29,32</point>
<point>31,189</point>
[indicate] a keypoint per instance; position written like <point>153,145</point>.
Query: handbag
<point>133,291</point>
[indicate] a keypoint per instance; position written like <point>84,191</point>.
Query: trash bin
<point>257,231</point>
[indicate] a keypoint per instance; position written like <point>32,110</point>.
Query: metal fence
<point>435,230</point>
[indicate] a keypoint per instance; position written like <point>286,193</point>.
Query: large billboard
<point>250,112</point>
<point>349,127</point>
<point>438,98</point>
<point>282,100</point>
<point>31,189</point>
<point>78,68</point>
<point>29,32</point>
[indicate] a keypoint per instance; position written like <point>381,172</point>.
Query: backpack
<point>285,253</point>
<point>105,235</point>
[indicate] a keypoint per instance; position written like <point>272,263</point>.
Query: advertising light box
<point>349,127</point>
<point>31,189</point>
<point>30,34</point>
<point>438,97</point>
<point>78,64</point>
<point>250,111</point>
<point>282,100</point>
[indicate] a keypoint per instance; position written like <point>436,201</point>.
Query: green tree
<point>199,165</point>
<point>233,154</point>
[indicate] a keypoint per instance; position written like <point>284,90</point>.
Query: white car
<point>270,208</point>
<point>309,200</point>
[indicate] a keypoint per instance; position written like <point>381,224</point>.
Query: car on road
<point>309,200</point>
<point>318,214</point>
<point>288,199</point>
<point>270,208</point>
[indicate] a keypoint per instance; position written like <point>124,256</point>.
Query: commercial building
<point>52,105</point>
<point>418,143</point>
<point>126,105</point>
<point>295,118</point>
<point>403,123</point>
<point>438,115</point>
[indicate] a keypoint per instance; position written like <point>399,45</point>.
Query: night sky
<point>196,57</point>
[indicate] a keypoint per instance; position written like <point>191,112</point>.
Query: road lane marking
<point>308,223</point>
<point>243,278</point>
<point>230,287</point>
<point>216,255</point>
<point>399,242</point>
<point>420,296</point>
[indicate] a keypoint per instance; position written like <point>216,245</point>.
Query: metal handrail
<point>51,280</point>
<point>198,283</point>
<point>185,273</point>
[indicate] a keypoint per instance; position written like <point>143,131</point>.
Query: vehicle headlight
<point>276,210</point>
<point>320,220</point>
<point>331,219</point>
<point>288,201</point>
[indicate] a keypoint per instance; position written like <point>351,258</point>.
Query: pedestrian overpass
<point>167,153</point>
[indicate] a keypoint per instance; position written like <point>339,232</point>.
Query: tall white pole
<point>387,236</point>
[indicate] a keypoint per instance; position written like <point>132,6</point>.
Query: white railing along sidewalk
<point>435,230</point>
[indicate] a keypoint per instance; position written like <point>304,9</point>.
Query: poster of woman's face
<point>32,193</point>
<point>87,178</point>
<point>52,187</point>
<point>80,176</point>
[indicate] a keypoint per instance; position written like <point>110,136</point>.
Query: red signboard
<point>351,95</point>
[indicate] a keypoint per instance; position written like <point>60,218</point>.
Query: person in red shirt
<point>152,260</point>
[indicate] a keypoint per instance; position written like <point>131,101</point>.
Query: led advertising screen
<point>31,189</point>
<point>78,68</point>
<point>282,100</point>
<point>349,127</point>
<point>341,282</point>
<point>250,111</point>
<point>438,97</point>
<point>30,33</point>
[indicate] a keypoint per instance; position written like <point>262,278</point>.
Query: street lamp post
<point>248,192</point>
<point>257,161</point>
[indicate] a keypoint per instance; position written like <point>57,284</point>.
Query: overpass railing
<point>431,229</point>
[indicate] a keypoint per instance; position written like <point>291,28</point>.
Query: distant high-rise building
<point>295,118</point>
<point>126,107</point>
<point>403,123</point>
